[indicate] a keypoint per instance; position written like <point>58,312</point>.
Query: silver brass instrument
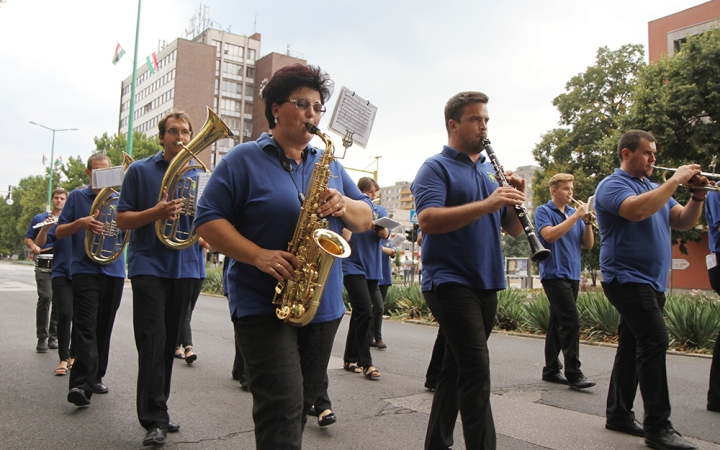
<point>315,247</point>
<point>539,253</point>
<point>712,176</point>
<point>107,246</point>
<point>590,215</point>
<point>169,230</point>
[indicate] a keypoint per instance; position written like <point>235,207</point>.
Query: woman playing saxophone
<point>249,211</point>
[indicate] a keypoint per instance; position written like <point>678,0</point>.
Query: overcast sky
<point>405,57</point>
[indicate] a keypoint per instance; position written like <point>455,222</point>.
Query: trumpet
<point>712,176</point>
<point>590,215</point>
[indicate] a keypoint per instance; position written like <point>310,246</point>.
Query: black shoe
<point>42,346</point>
<point>380,345</point>
<point>581,383</point>
<point>313,412</point>
<point>78,397</point>
<point>173,427</point>
<point>326,420</point>
<point>633,428</point>
<point>155,437</point>
<point>430,386</point>
<point>555,378</point>
<point>667,439</point>
<point>713,408</point>
<point>99,387</point>
<point>372,343</point>
<point>52,344</point>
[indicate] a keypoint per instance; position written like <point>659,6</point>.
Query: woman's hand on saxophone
<point>333,204</point>
<point>280,264</point>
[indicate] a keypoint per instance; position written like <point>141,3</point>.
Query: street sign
<point>680,264</point>
<point>413,216</point>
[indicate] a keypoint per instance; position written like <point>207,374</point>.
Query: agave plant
<point>693,321</point>
<point>537,313</point>
<point>511,310</point>
<point>598,317</point>
<point>213,282</point>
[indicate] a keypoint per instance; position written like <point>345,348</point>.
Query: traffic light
<point>412,234</point>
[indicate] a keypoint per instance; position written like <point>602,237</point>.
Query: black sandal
<point>351,367</point>
<point>327,419</point>
<point>190,356</point>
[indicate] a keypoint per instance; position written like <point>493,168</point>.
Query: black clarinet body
<point>539,253</point>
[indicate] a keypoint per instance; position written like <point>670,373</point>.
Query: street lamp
<point>52,160</point>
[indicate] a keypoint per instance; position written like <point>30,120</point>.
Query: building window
<point>232,69</point>
<point>251,54</point>
<point>250,72</point>
<point>234,50</point>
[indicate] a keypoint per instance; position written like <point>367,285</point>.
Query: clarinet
<point>539,253</point>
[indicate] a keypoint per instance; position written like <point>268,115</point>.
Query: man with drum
<point>46,323</point>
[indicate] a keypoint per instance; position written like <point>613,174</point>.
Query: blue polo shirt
<point>78,205</point>
<point>632,252</point>
<point>472,255</point>
<point>366,256</point>
<point>386,279</point>
<point>712,216</point>
<point>147,255</point>
<point>564,261</point>
<point>250,189</point>
<point>62,255</point>
<point>33,232</point>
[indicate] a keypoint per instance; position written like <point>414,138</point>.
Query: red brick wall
<point>695,276</point>
<point>658,29</point>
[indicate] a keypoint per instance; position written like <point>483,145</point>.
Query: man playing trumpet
<point>563,231</point>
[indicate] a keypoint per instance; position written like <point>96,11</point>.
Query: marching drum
<point>43,263</point>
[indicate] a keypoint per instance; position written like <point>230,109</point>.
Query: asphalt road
<point>390,413</point>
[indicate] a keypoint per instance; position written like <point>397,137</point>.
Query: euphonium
<point>168,230</point>
<point>107,246</point>
<point>313,245</point>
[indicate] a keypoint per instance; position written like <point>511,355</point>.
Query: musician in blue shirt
<point>634,216</point>
<point>712,215</point>
<point>97,290</point>
<point>45,321</point>
<point>562,230</point>
<point>461,210</point>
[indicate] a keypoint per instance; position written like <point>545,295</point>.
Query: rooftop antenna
<point>255,24</point>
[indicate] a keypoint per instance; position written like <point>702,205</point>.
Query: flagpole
<point>131,116</point>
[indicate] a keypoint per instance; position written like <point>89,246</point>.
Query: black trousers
<point>96,299</point>
<point>563,332</point>
<point>323,400</point>
<point>640,358</point>
<point>62,291</point>
<point>466,316</point>
<point>285,366</point>
<point>46,318</point>
<point>185,339</point>
<point>713,397</point>
<point>159,306</point>
<point>357,344</point>
<point>238,369</point>
<point>436,360</point>
<point>378,303</point>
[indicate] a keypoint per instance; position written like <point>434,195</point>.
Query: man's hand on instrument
<point>684,174</point>
<point>505,196</point>
<point>168,209</point>
<point>581,210</point>
<point>515,181</point>
<point>91,223</point>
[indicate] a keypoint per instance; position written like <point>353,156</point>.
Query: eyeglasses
<point>303,104</point>
<point>175,132</point>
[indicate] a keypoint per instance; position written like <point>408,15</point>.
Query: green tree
<point>591,111</point>
<point>11,239</point>
<point>114,146</point>
<point>678,101</point>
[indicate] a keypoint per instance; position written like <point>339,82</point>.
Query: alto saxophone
<point>315,247</point>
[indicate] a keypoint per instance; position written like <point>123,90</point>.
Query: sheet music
<point>202,179</point>
<point>355,114</point>
<point>398,240</point>
<point>108,177</point>
<point>387,222</point>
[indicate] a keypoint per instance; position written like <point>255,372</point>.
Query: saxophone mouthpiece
<point>312,128</point>
<point>178,142</point>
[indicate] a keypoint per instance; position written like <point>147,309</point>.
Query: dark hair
<point>290,78</point>
<point>455,107</point>
<point>174,114</point>
<point>59,191</point>
<point>366,183</point>
<point>631,140</point>
<point>97,157</point>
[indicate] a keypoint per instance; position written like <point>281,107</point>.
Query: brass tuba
<point>313,245</point>
<point>107,246</point>
<point>168,230</point>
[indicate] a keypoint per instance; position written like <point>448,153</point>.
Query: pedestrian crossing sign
<point>413,216</point>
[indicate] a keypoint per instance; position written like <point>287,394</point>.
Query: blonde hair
<point>559,178</point>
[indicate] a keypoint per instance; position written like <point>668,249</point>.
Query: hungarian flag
<point>152,63</point>
<point>119,52</point>
<point>60,160</point>
<point>44,160</point>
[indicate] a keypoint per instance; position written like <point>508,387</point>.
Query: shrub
<point>213,282</point>
<point>537,313</point>
<point>598,317</point>
<point>693,321</point>
<point>511,310</point>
